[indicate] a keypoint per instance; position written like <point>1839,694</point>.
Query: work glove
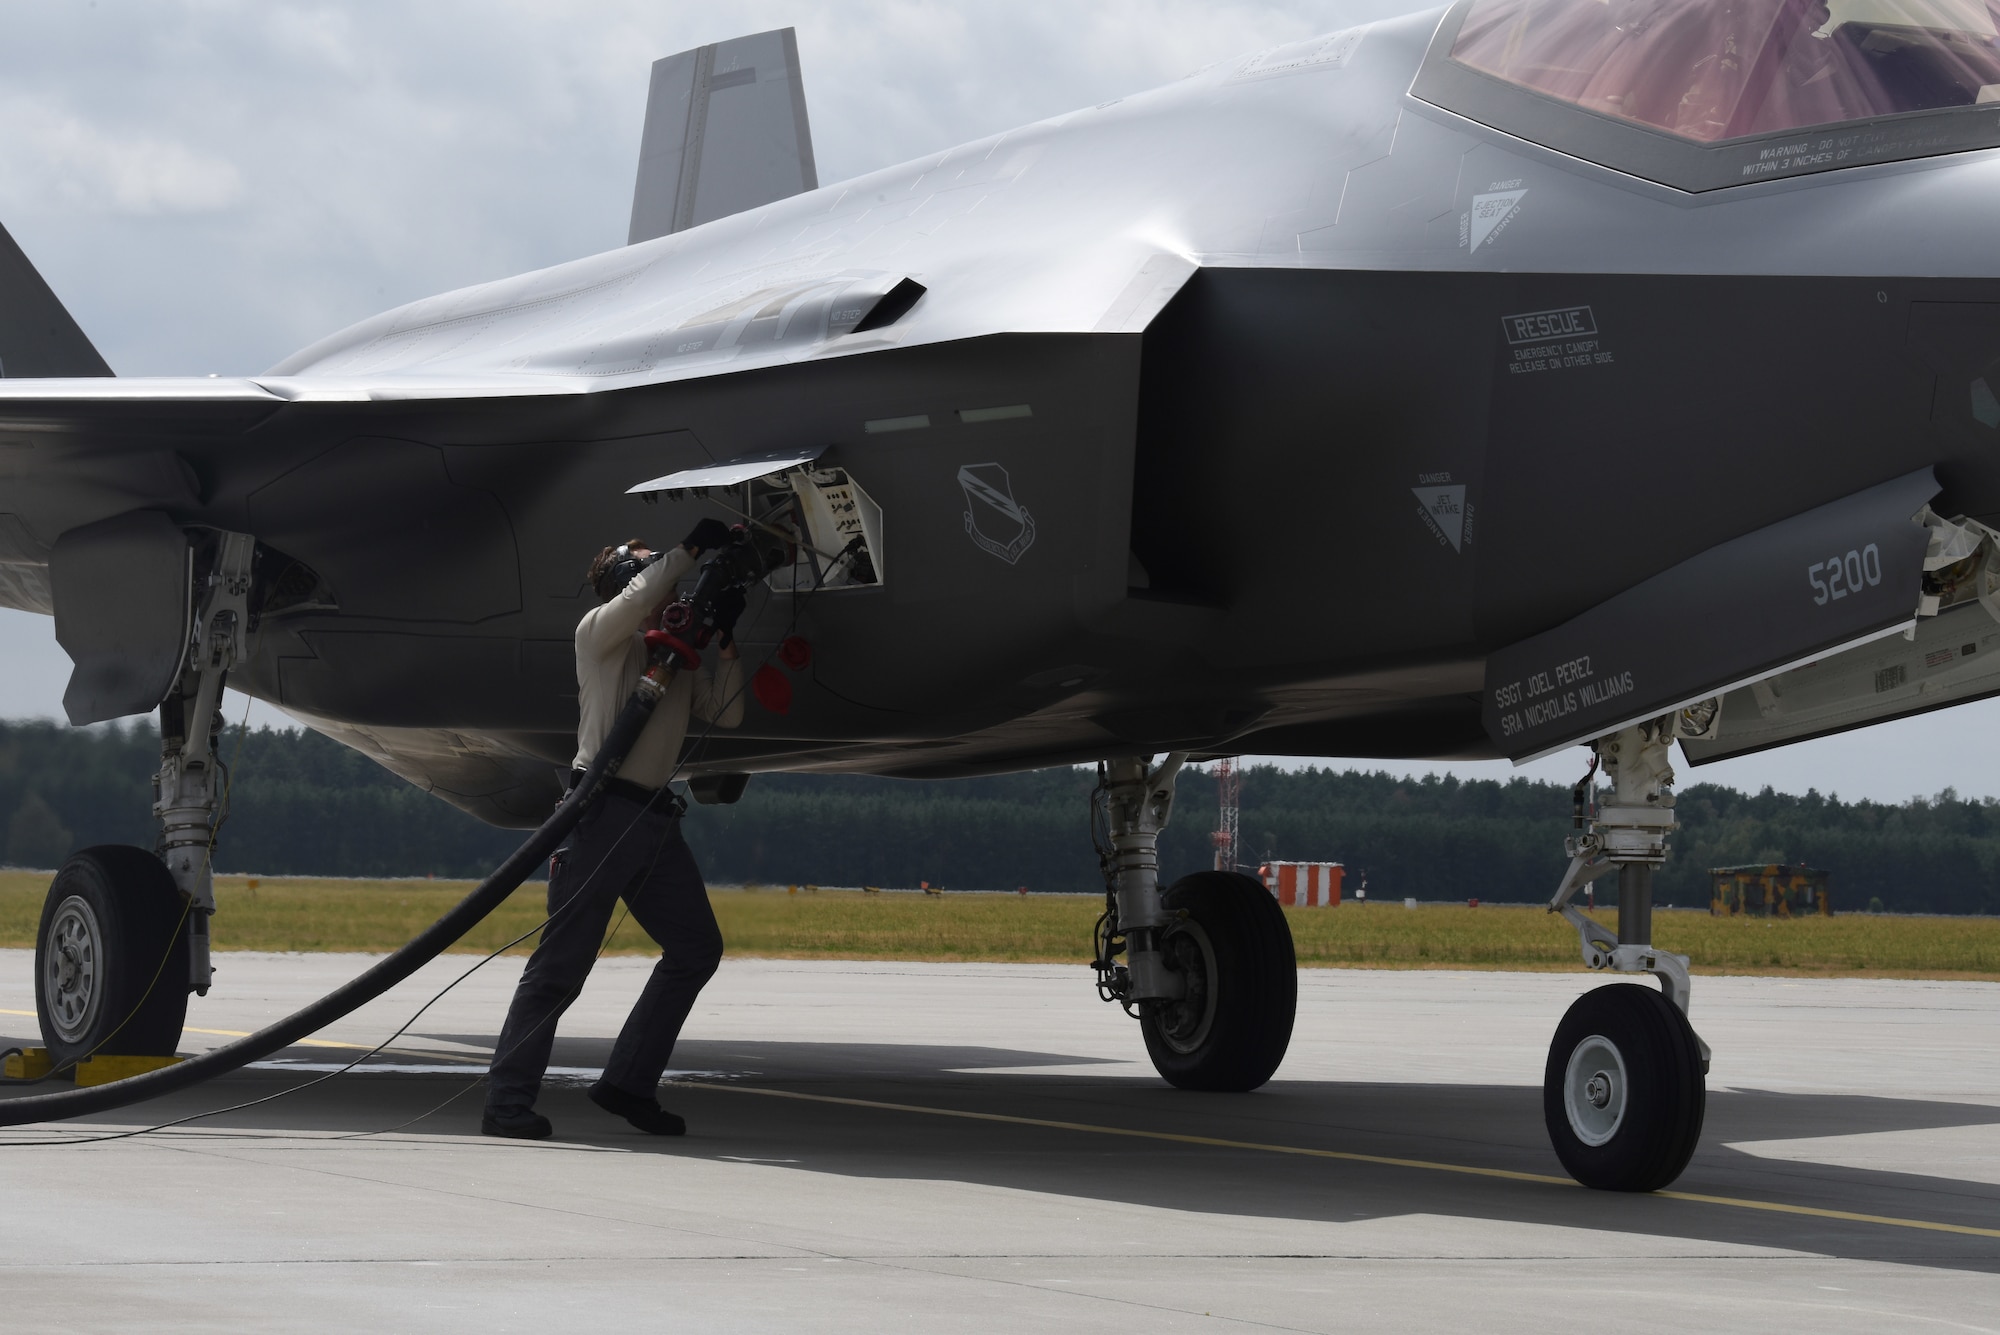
<point>707,536</point>
<point>728,607</point>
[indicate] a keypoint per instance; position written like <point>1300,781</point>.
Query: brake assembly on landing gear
<point>1133,804</point>
<point>1209,969</point>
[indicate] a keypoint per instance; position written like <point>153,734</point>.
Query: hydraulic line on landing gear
<point>421,950</point>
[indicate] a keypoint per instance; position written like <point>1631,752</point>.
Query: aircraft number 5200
<point>1839,576</point>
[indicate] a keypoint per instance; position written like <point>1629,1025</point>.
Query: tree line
<point>301,804</point>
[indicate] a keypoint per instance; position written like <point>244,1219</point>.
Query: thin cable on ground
<point>173,937</point>
<point>320,1079</point>
<point>405,1028</point>
<point>482,1077</point>
<point>798,609</point>
<point>385,973</point>
<point>323,1077</point>
<point>64,1068</point>
<point>555,1014</point>
<point>623,913</point>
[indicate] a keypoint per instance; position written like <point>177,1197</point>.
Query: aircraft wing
<point>31,401</point>
<point>74,451</point>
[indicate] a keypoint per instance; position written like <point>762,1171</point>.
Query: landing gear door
<point>123,594</point>
<point>1847,573</point>
<point>1952,656</point>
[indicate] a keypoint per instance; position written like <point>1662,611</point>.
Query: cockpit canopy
<point>1722,69</point>
<point>1716,72</point>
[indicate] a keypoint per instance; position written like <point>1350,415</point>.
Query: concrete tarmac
<point>979,1148</point>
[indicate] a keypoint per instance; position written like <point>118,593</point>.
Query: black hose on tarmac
<point>421,950</point>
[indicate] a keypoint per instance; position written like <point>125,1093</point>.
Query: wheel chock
<point>102,1070</point>
<point>27,1064</point>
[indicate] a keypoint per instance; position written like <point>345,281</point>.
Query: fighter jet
<point>1527,375</point>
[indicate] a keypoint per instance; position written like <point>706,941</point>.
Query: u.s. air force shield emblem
<point>994,520</point>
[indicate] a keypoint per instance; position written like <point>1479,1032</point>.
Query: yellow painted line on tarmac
<point>304,1042</point>
<point>1178,1137</point>
<point>241,1033</point>
<point>1816,1212</point>
<point>1348,1156</point>
<point>351,1047</point>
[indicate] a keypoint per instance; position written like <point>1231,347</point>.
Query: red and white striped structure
<point>1304,885</point>
<point>1229,792</point>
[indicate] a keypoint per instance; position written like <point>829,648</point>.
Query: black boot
<point>526,1124</point>
<point>646,1114</point>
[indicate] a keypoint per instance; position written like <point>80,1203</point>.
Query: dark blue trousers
<point>621,849</point>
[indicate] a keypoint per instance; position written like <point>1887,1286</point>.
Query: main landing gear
<point>1208,968</point>
<point>124,931</point>
<point>1625,1087</point>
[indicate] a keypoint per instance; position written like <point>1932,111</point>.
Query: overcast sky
<point>209,185</point>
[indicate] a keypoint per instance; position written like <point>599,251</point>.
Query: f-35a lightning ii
<point>1526,375</point>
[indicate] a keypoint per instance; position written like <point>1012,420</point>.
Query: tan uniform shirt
<point>610,659</point>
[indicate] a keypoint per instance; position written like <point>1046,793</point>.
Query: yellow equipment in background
<point>1771,890</point>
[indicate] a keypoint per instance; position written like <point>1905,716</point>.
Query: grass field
<point>302,914</point>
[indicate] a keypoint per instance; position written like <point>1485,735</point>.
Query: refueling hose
<point>426,946</point>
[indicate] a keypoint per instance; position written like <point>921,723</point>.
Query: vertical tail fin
<point>725,131</point>
<point>37,336</point>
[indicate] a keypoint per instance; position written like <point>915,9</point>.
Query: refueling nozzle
<point>740,562</point>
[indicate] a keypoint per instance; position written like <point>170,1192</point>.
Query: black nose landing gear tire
<point>111,957</point>
<point>1624,1092</point>
<point>1234,948</point>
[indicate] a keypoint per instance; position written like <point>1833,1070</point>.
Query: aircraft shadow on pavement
<point>1469,1125</point>
<point>1478,1126</point>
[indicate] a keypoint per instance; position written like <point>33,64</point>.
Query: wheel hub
<point>71,992</point>
<point>1595,1090</point>
<point>1184,1022</point>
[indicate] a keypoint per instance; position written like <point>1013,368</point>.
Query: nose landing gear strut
<point>1625,1087</point>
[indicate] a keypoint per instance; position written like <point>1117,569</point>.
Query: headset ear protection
<point>624,568</point>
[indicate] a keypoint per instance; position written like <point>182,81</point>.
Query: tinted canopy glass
<point>1706,71</point>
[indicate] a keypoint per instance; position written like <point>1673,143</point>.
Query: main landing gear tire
<point>1235,950</point>
<point>1624,1091</point>
<point>111,957</point>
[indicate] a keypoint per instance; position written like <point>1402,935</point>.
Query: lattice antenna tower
<point>1229,794</point>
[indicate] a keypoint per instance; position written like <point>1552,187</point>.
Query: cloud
<point>211,184</point>
<point>73,164</point>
